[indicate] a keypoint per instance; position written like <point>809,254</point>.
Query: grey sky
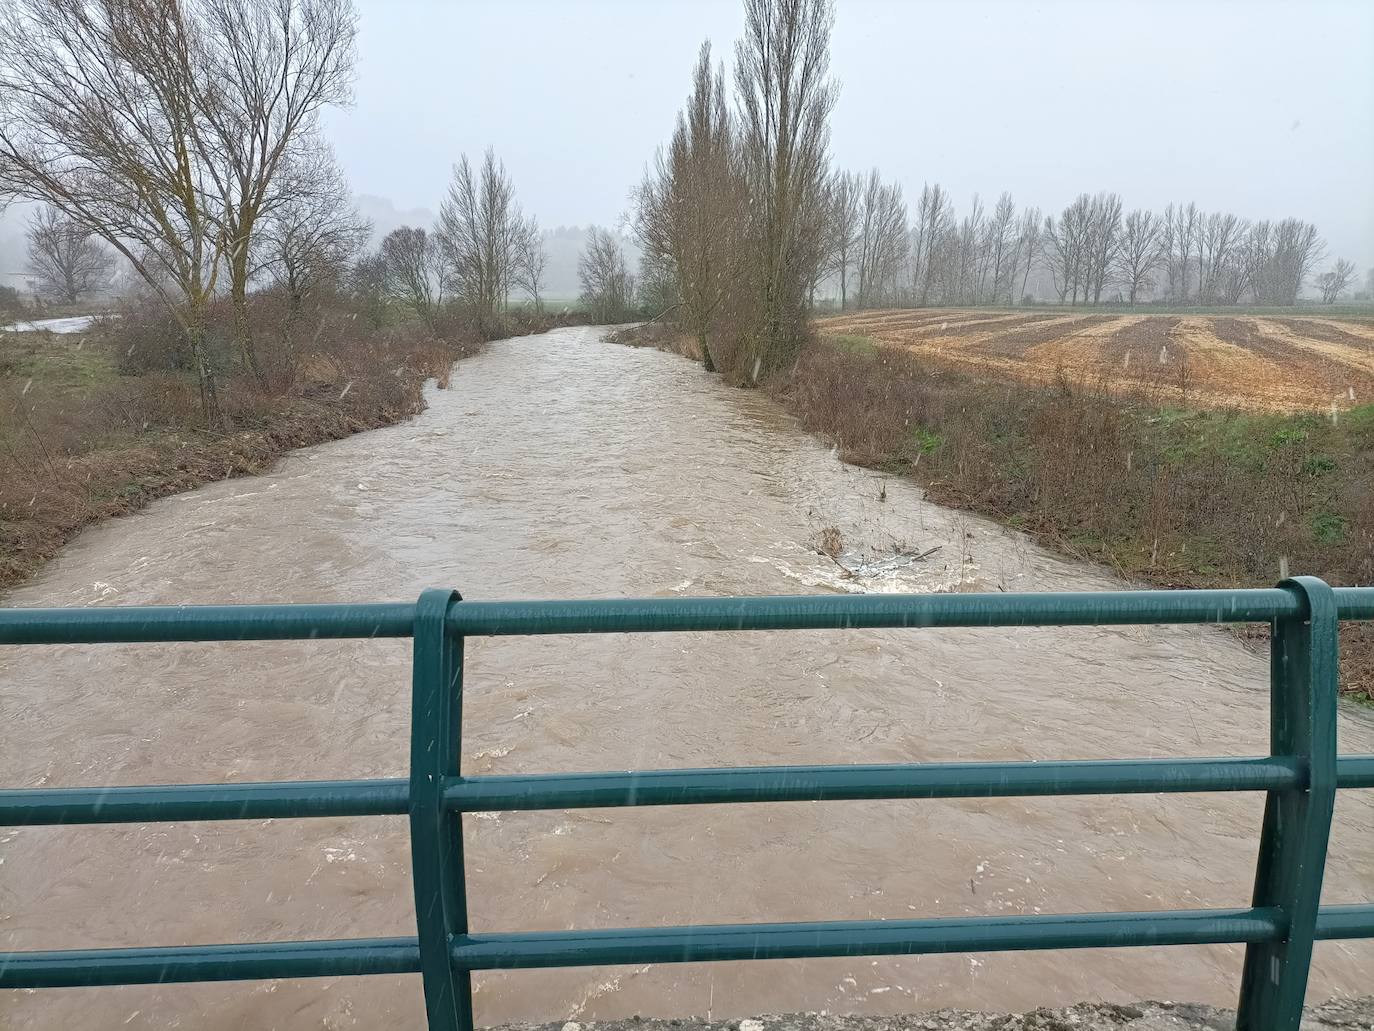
<point>1264,109</point>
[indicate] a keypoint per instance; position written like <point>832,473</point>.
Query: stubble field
<point>1282,363</point>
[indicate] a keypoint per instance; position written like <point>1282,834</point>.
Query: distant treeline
<point>1093,251</point>
<point>743,220</point>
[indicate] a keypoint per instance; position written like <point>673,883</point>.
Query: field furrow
<point>1286,363</point>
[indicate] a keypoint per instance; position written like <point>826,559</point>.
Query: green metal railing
<point>1300,777</point>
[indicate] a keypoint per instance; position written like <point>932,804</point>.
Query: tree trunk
<point>243,330</point>
<point>706,362</point>
<point>200,361</point>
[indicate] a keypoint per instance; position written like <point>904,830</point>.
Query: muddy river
<point>562,466</point>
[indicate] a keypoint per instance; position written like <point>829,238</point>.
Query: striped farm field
<point>1287,362</point>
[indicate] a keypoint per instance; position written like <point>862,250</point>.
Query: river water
<point>562,466</point>
<point>70,324</point>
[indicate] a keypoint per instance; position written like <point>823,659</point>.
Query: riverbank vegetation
<point>181,146</point>
<point>99,423</point>
<point>1173,496</point>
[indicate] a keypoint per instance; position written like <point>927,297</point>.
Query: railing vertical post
<point>436,836</point>
<point>1297,823</point>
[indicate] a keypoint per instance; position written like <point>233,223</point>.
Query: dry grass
<point>97,425</point>
<point>1289,364</point>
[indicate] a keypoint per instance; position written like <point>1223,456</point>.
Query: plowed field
<point>1287,363</point>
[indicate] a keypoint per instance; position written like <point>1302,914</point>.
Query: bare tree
<point>691,213</point>
<point>99,118</point>
<point>1104,228</point>
<point>1141,253</point>
<point>531,260</point>
<point>367,283</point>
<point>657,287</point>
<point>1257,253</point>
<point>934,220</point>
<point>1026,251</point>
<point>410,269</point>
<point>845,197</point>
<point>882,241</point>
<point>1002,246</point>
<point>607,286</point>
<point>1068,247</point>
<point>312,236</point>
<point>785,98</point>
<point>479,234</point>
<point>1184,228</point>
<point>262,70</point>
<point>1234,276</point>
<point>1220,240</point>
<point>1297,249</point>
<point>66,260</point>
<point>969,241</point>
<point>1333,282</point>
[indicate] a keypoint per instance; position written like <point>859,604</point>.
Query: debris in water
<point>830,542</point>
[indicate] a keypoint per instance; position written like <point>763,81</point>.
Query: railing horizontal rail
<point>1355,771</point>
<point>76,968</point>
<point>153,623</point>
<point>820,612</point>
<point>86,967</point>
<point>101,625</point>
<point>177,802</point>
<point>705,943</point>
<point>169,803</point>
<point>1354,602</point>
<point>1345,922</point>
<point>834,783</point>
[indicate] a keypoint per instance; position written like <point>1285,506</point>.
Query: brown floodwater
<point>560,466</point>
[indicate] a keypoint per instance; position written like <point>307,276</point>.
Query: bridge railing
<point>1300,777</point>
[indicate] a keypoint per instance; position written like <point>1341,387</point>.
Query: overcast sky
<point>1264,109</point>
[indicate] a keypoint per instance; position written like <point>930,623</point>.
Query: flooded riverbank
<point>562,466</point>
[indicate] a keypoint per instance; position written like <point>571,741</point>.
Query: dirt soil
<point>1289,364</point>
<point>1345,1014</point>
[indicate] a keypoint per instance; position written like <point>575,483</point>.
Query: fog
<point>1264,109</point>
